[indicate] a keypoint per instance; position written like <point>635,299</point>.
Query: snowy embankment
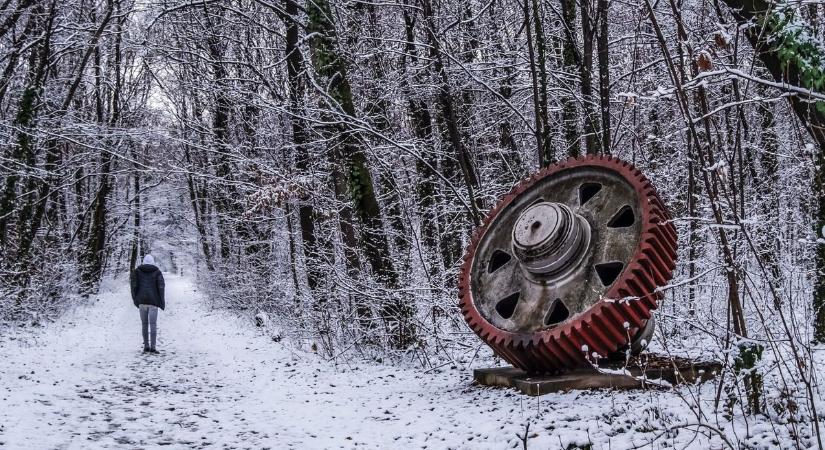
<point>219,383</point>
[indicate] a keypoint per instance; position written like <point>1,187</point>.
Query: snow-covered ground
<point>220,383</point>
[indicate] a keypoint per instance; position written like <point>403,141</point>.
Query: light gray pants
<point>149,322</point>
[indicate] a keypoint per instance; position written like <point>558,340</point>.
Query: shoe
<point>147,350</point>
<point>152,350</point>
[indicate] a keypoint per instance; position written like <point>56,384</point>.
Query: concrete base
<point>647,371</point>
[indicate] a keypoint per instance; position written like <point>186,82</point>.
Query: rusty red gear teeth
<point>625,305</point>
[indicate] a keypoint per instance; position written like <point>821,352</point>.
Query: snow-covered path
<point>88,384</point>
<point>218,383</point>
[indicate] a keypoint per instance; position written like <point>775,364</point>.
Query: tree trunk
<point>421,121</point>
<point>356,175</point>
<point>97,237</point>
<point>24,121</point>
<point>223,191</point>
<point>604,74</point>
<point>14,55</point>
<point>136,231</point>
<point>379,110</point>
<point>95,251</point>
<point>447,104</point>
<point>356,178</point>
<point>547,152</point>
<point>306,213</point>
<point>570,60</point>
<point>768,189</point>
<point>586,73</point>
<point>197,201</point>
<point>704,147</point>
<point>12,19</point>
<point>777,36</point>
<point>539,86</point>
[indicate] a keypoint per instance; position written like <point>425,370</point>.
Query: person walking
<point>147,294</point>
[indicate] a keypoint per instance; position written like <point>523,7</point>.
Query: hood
<point>147,268</point>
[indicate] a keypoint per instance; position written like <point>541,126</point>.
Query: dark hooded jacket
<point>147,286</point>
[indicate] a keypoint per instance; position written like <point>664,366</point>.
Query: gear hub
<point>565,269</point>
<point>549,238</point>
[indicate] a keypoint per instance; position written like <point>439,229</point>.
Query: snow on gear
<point>565,269</point>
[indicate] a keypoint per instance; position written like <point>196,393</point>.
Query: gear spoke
<point>529,305</point>
<point>499,285</point>
<point>614,252</point>
<point>598,205</point>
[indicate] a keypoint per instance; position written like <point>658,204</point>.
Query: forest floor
<point>83,382</point>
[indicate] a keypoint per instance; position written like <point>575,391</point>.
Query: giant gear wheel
<point>566,269</point>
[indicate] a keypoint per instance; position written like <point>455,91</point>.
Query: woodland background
<point>325,161</point>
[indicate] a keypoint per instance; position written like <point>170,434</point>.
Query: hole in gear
<point>558,313</point>
<point>588,191</point>
<point>609,271</point>
<point>623,218</point>
<point>507,306</point>
<point>499,259</point>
